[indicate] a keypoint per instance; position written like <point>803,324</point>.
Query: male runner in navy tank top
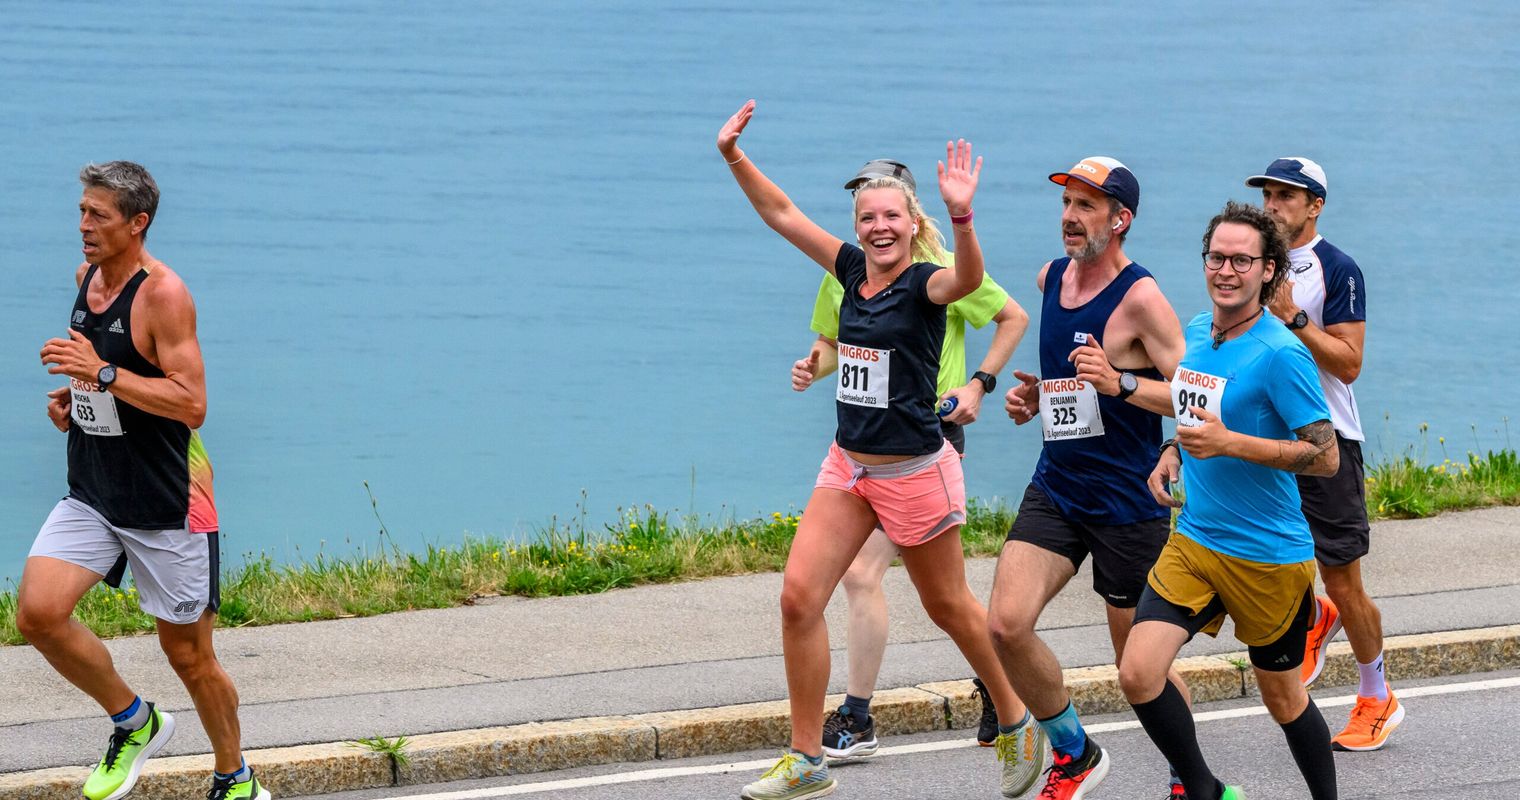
<point>139,489</point>
<point>1324,304</point>
<point>1104,328</point>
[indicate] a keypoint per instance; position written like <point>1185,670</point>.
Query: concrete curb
<point>545,746</point>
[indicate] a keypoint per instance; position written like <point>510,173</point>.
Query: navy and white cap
<point>1108,176</point>
<point>882,168</point>
<point>1294,171</point>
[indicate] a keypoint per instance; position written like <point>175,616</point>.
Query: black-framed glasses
<point>1240,262</point>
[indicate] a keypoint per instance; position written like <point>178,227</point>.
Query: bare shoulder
<point>1145,301</point>
<point>79,273</point>
<point>164,287</point>
<point>1039,280</point>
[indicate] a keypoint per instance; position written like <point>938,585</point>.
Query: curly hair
<point>1273,246</point>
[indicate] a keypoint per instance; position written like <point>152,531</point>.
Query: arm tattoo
<point>1319,435</point>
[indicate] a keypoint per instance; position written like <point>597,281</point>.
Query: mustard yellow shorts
<point>1266,601</point>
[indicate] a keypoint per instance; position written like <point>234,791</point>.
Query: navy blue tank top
<point>895,334</point>
<point>139,478</point>
<point>1098,479</point>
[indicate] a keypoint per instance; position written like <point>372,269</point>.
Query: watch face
<point>107,375</point>
<point>1128,382</point>
<point>989,382</point>
<point>1301,320</point>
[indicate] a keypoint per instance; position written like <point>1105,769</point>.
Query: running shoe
<point>1232,793</point>
<point>792,778</point>
<point>1372,720</point>
<point>1176,792</point>
<point>226,789</point>
<point>845,736</point>
<point>1070,778</point>
<point>987,729</point>
<point>126,753</point>
<point>1326,625</point>
<point>1023,755</point>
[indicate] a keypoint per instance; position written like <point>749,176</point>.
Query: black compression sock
<point>1309,740</point>
<point>1169,723</point>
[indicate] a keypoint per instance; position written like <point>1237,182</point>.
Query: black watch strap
<point>989,381</point>
<point>1126,391</point>
<point>1166,444</point>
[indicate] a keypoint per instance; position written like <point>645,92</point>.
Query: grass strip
<point>648,546</point>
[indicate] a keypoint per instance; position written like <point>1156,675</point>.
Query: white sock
<point>1374,683</point>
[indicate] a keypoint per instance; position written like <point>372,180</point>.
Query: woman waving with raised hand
<point>889,463</point>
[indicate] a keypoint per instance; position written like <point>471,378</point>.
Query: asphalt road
<point>1457,743</point>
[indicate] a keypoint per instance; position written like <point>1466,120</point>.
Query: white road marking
<point>924,747</point>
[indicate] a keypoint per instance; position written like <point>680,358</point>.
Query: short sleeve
<point>918,281</point>
<point>1345,291</point>
<point>1294,387</point>
<point>979,307</point>
<point>826,307</point>
<point>849,265</point>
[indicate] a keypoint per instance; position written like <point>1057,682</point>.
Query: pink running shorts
<point>914,500</point>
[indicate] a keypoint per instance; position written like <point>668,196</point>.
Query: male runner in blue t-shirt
<point>1250,414</point>
<point>1324,303</point>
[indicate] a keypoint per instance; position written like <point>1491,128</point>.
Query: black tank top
<point>895,334</point>
<point>140,478</point>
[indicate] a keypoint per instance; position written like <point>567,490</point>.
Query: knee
<point>40,625</point>
<point>800,605</point>
<point>860,582</point>
<point>190,661</point>
<point>1009,630</point>
<point>948,612</point>
<point>1139,684</point>
<point>1284,704</point>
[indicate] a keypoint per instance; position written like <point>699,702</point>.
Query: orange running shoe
<point>1371,722</point>
<point>1326,625</point>
<point>1070,779</point>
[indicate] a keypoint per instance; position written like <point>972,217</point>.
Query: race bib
<point>1192,390</point>
<point>863,376</point>
<point>94,412</point>
<point>1069,409</point>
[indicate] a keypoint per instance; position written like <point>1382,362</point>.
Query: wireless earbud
<point>915,230</point>
<point>1116,225</point>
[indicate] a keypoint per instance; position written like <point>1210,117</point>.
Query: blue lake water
<point>484,255</point>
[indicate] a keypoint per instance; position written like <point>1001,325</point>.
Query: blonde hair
<point>928,243</point>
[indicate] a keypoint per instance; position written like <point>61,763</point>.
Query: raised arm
<point>957,186</point>
<point>772,204</point>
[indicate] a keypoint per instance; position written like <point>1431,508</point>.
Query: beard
<point>1095,243</point>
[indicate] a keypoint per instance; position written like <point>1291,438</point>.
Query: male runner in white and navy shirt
<point>1324,303</point>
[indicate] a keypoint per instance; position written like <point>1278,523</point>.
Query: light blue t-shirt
<point>1262,383</point>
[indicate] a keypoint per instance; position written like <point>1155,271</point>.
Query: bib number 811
<point>853,377</point>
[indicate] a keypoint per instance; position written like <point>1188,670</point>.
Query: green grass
<point>648,546</point>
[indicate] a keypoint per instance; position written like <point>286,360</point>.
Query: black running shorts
<point>1122,554</point>
<point>1336,508</point>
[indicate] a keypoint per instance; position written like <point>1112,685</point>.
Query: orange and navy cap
<point>1108,176</point>
<point>1294,171</point>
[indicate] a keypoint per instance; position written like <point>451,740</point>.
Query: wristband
<point>954,220</point>
<point>742,156</point>
<point>1164,445</point>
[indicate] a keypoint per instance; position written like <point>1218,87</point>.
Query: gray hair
<point>136,192</point>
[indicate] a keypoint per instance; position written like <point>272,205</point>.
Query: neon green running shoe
<point>126,753</point>
<point>793,778</point>
<point>1023,755</point>
<point>225,789</point>
<point>1233,793</point>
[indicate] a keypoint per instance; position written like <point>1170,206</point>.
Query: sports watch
<point>1128,384</point>
<point>989,382</point>
<point>1300,320</point>
<point>106,376</point>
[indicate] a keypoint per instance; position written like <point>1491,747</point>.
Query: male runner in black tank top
<point>136,391</point>
<point>1105,326</point>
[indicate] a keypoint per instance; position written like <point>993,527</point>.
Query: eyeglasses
<point>1240,262</point>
